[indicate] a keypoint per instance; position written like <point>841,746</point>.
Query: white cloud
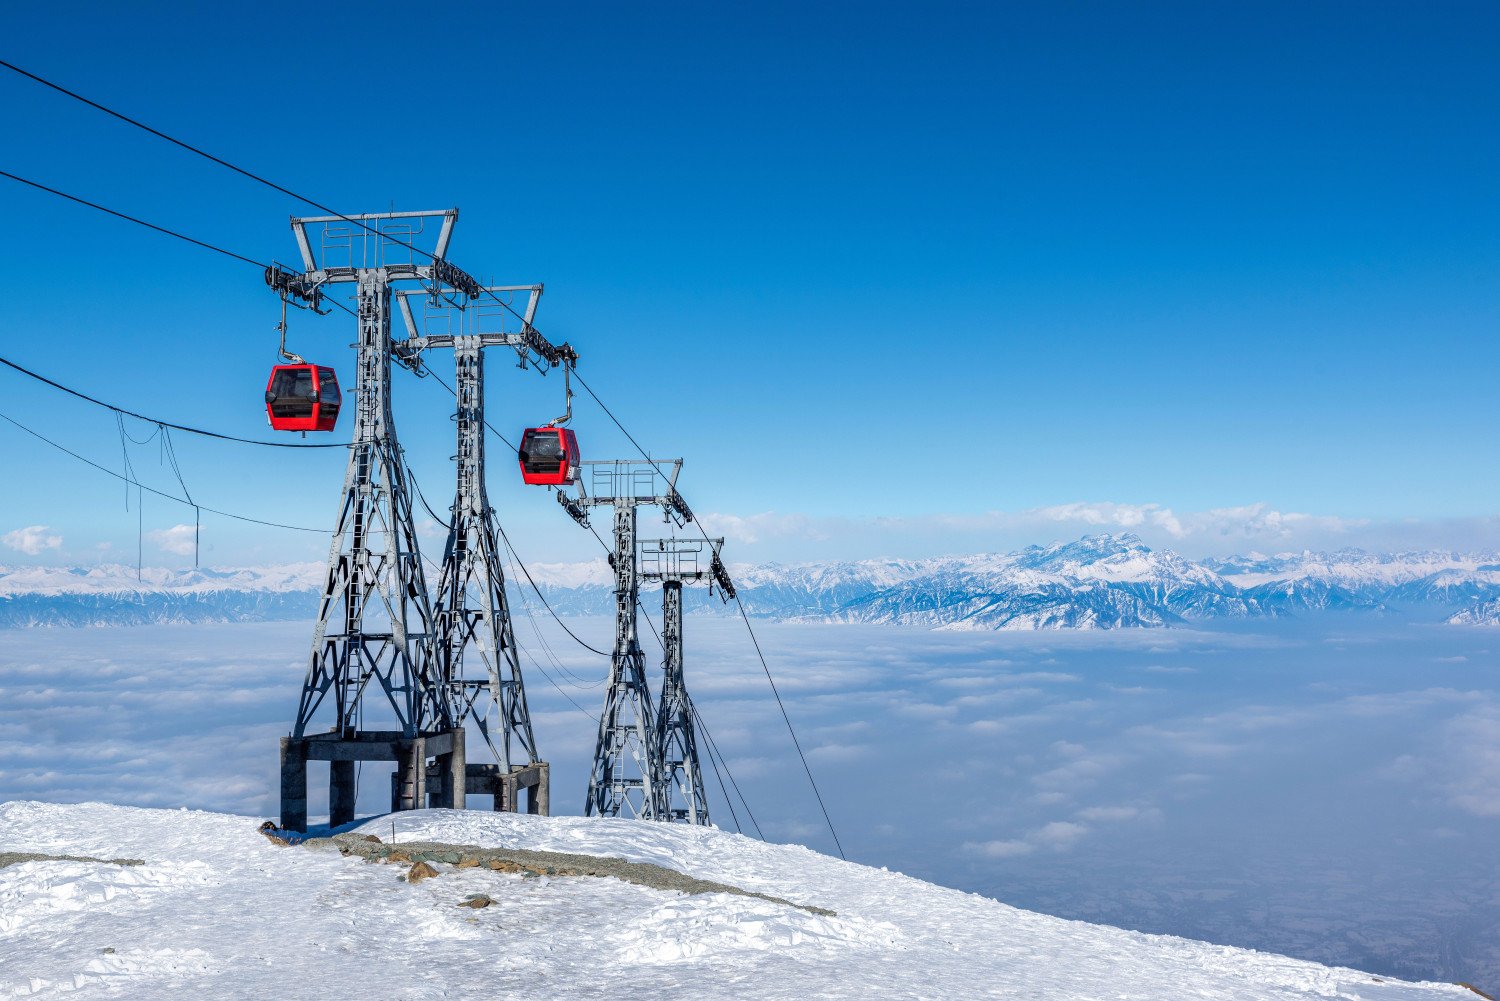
<point>179,539</point>
<point>999,849</point>
<point>1474,748</point>
<point>839,752</point>
<point>760,527</point>
<point>1097,813</point>
<point>32,540</point>
<point>1059,834</point>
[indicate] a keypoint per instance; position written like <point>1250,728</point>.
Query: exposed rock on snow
<point>532,863</point>
<point>217,911</point>
<point>16,858</point>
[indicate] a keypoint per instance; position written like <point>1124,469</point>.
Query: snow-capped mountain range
<point>1098,582</point>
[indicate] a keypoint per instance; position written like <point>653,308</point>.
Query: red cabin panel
<point>549,456</point>
<point>303,398</point>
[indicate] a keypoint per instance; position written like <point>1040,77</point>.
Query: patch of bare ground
<point>428,854</point>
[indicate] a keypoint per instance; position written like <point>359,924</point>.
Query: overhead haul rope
<point>558,663</point>
<point>164,425</point>
<point>740,604</point>
<point>152,490</point>
<point>140,501</point>
<point>152,420</point>
<point>529,657</point>
<point>355,222</point>
<point>176,142</point>
<point>130,218</point>
<point>223,163</point>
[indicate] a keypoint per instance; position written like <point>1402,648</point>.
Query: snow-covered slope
<point>218,911</point>
<point>1352,578</point>
<point>1098,582</point>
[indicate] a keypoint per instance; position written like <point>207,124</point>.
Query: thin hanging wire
<point>171,451</point>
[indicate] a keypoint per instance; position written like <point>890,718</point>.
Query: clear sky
<point>894,279</point>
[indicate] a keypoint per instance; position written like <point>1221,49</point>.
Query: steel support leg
<point>457,791</point>
<point>411,766</point>
<point>340,793</point>
<point>293,784</point>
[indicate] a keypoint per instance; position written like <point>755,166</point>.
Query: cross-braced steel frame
<point>674,562</point>
<point>374,620</point>
<point>375,626</point>
<point>473,623</point>
<point>628,776</point>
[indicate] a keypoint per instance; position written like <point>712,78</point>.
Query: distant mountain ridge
<point>1097,582</point>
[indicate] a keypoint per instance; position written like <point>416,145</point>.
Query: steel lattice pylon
<point>681,772</point>
<point>376,626</point>
<point>473,623</point>
<point>675,562</point>
<point>374,620</point>
<point>628,776</point>
<point>472,610</point>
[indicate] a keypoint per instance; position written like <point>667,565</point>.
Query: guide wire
<point>713,747</point>
<point>517,561</point>
<point>722,791</point>
<point>152,490</point>
<point>534,663</point>
<point>740,604</point>
<point>129,218</point>
<point>140,501</point>
<point>156,421</point>
<point>171,452</point>
<point>521,563</point>
<point>248,174</point>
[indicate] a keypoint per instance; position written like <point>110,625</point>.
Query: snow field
<point>217,910</point>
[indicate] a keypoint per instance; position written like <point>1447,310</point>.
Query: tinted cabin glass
<point>293,389</point>
<point>542,451</point>
<point>328,392</point>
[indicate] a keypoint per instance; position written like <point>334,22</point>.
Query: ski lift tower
<point>674,562</point>
<point>473,624</point>
<point>373,643</point>
<point>628,775</point>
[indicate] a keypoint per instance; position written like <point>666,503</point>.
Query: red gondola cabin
<point>549,456</point>
<point>303,398</point>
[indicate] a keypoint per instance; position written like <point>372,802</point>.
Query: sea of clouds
<point>1328,787</point>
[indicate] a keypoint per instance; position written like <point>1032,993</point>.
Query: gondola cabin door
<point>303,398</point>
<point>549,456</point>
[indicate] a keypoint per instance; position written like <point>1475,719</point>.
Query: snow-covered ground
<point>218,911</point>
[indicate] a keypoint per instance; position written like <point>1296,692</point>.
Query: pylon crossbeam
<point>375,622</point>
<point>628,774</point>
<point>475,645</point>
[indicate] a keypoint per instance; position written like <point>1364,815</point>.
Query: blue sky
<point>987,270</point>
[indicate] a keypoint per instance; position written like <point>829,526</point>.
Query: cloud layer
<point>180,540</point>
<point>1325,788</point>
<point>32,540</point>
